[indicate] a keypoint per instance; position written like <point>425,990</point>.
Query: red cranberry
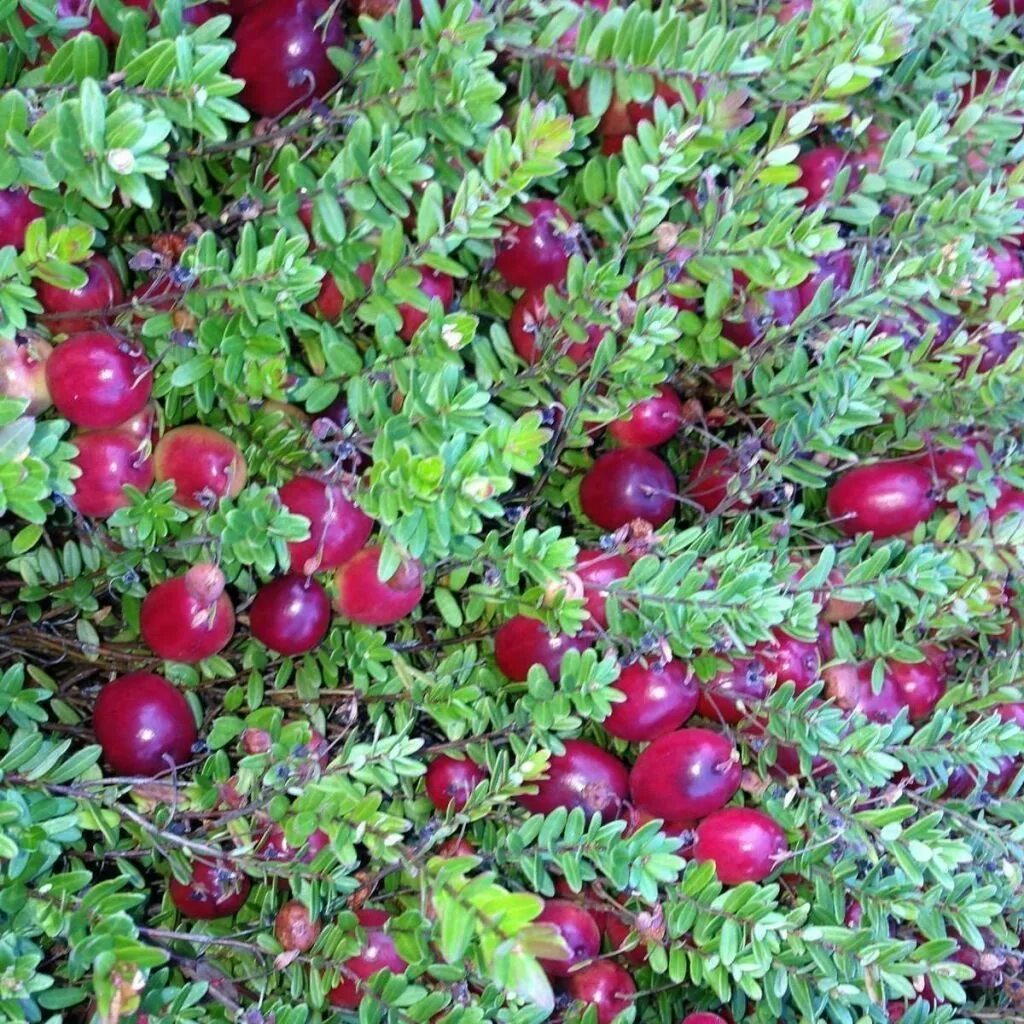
<point>584,776</point>
<point>364,598</point>
<point>996,348</point>
<point>1010,501</point>
<point>730,695</point>
<point>159,295</point>
<point>790,660</point>
<point>1012,713</point>
<point>819,169</point>
<point>885,498</point>
<point>685,775</point>
<point>710,479</point>
<point>214,890</point>
<point>787,758</point>
<point>338,528</point>
<point>17,211</point>
<point>330,302</point>
<point>650,422</point>
<point>290,615</point>
<point>140,427</point>
<point>627,484</point>
<point>596,570</point>
<point>433,285</point>
<point>532,328</point>
<point>950,466</point>
<point>773,308</point>
<point>143,724</point>
<point>659,698</point>
<point>295,929</point>
<point>920,685</point>
<point>603,985</point>
<point>744,844</point>
<point>835,265</point>
<point>377,954</point>
<point>281,54</point>
<point>1006,8</point>
<point>23,373</point>
<point>1007,268</point>
<point>274,846</point>
<point>522,642</point>
<point>188,618</point>
<point>850,687</point>
<point>457,846</point>
<point>617,932</point>
<point>107,461</point>
<point>86,308</point>
<point>705,1017</point>
<point>451,783</point>
<point>644,111</point>
<point>205,465</point>
<point>536,254</point>
<point>97,380</point>
<point>578,930</point>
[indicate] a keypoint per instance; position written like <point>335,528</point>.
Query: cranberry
<point>837,266</point>
<point>201,13</point>
<point>920,685</point>
<point>522,642</point>
<point>597,570</point>
<point>275,847</point>
<point>603,985</point>
<point>377,954</point>
<point>1007,269</point>
<point>17,211</point>
<point>790,660</point>
<point>451,783</point>
<point>819,169</point>
<point>457,846</point>
<point>659,698</point>
<point>744,844</point>
<point>644,111</point>
<point>330,302</point>
<point>86,308</point>
<point>850,687</point>
<point>1010,501</point>
<point>338,528</point>
<point>536,255</point>
<point>23,373</point>
<point>143,724</point>
<point>996,348</point>
<point>140,427</point>
<point>787,758</point>
<point>1006,8</point>
<point>618,932</point>
<point>214,890</point>
<point>1011,713</point>
<point>188,618</point>
<point>704,1017</point>
<point>295,929</point>
<point>281,54</point>
<point>773,308</point>
<point>885,498</point>
<point>290,615</point>
<point>364,598</point>
<point>584,776</point>
<point>709,481</point>
<point>205,465</point>
<point>627,484</point>
<point>97,380</point>
<point>159,295</point>
<point>578,930</point>
<point>433,285</point>
<point>950,466</point>
<point>731,694</point>
<point>532,328</point>
<point>107,461</point>
<point>838,609</point>
<point>650,422</point>
<point>685,775</point>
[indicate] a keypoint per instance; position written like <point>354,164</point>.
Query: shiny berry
<point>773,308</point>
<point>457,846</point>
<point>709,481</point>
<point>522,642</point>
<point>732,694</point>
<point>705,1017</point>
<point>17,211</point>
<point>659,698</point>
<point>274,846</point>
<point>364,598</point>
<point>884,498</point>
<point>205,465</point>
<point>338,528</point>
<point>281,54</point>
<point>188,618</point>
<point>685,775</point>
<point>652,421</point>
<point>578,930</point>
<point>584,776</point>
<point>1007,269</point>
<point>433,285</point>
<point>618,933</point>
<point>378,953</point>
<point>214,890</point>
<point>143,725</point>
<point>850,687</point>
<point>23,373</point>
<point>604,985</point>
<point>627,484</point>
<point>920,685</point>
<point>536,334</point>
<point>91,306</point>
<point>744,844</point>
<point>790,660</point>
<point>450,783</point>
<point>97,380</point>
<point>295,929</point>
<point>819,169</point>
<point>290,615</point>
<point>330,302</point>
<point>834,266</point>
<point>536,254</point>
<point>107,461</point>
<point>597,570</point>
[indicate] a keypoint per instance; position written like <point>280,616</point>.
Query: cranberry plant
<point>511,511</point>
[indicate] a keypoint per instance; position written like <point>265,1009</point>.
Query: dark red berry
<point>214,890</point>
<point>819,169</point>
<point>744,844</point>
<point>536,254</point>
<point>295,929</point>
<point>685,775</point>
<point>1007,268</point>
<point>143,724</point>
<point>617,932</point>
<point>650,422</point>
<point>86,308</point>
<point>377,954</point>
<point>920,685</point>
<point>274,846</point>
<point>790,660</point>
<point>281,54</point>
<point>450,783</point>
<point>458,846</point>
<point>584,776</point>
<point>578,930</point>
<point>17,211</point>
<point>710,479</point>
<point>950,466</point>
<point>290,615</point>
<point>885,499</point>
<point>535,333</point>
<point>773,308</point>
<point>205,465</point>
<point>731,695</point>
<point>705,1017</point>
<point>597,570</point>
<point>837,266</point>
<point>433,285</point>
<point>604,985</point>
<point>338,528</point>
<point>97,380</point>
<point>850,687</point>
<point>522,642</point>
<point>330,302</point>
<point>188,618</point>
<point>23,373</point>
<point>107,461</point>
<point>364,598</point>
<point>627,484</point>
<point>659,698</point>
